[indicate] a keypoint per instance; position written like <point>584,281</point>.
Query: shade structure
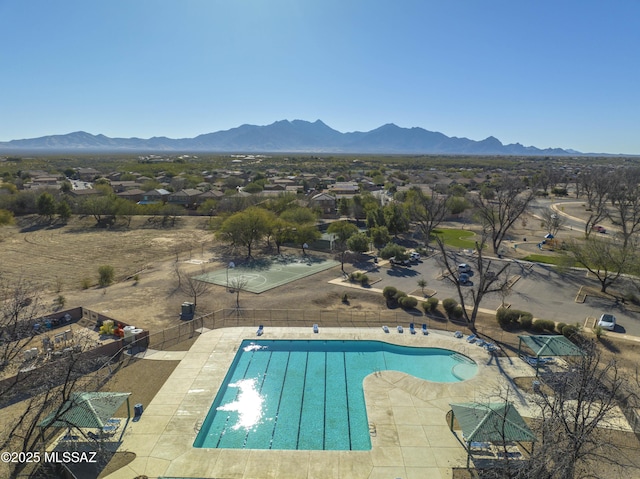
<point>491,422</point>
<point>550,345</point>
<point>86,410</point>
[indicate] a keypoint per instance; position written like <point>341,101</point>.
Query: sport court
<point>267,273</point>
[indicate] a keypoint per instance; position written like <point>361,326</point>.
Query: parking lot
<point>538,288</point>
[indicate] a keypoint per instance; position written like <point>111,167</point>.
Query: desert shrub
<point>430,305</point>
<point>407,302</point>
<point>106,275</point>
<point>537,327</point>
<point>510,317</point>
<point>449,304</point>
<point>570,330</point>
<point>389,292</point>
<point>526,321</point>
<point>85,283</point>
<point>399,294</point>
<point>456,313</point>
<point>560,327</point>
<point>364,280</point>
<point>358,277</point>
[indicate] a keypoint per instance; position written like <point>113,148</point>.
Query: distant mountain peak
<point>287,136</point>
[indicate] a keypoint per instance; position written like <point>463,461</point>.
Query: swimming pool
<point>308,395</point>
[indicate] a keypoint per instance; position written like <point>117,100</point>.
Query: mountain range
<point>286,136</point>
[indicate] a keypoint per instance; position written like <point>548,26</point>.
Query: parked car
<point>414,256</point>
<point>607,321</point>
<point>464,268</point>
<point>463,278</point>
<point>599,229</point>
<point>393,260</point>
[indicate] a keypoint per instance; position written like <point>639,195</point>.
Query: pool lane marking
<point>264,376</point>
<point>226,423</point>
<point>346,392</point>
<point>304,387</point>
<point>275,422</point>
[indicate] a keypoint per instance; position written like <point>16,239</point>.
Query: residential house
<point>325,202</point>
<point>189,198</point>
<point>151,197</point>
<point>135,195</point>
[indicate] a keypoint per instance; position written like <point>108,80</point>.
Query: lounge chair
<point>480,342</point>
<point>385,329</point>
<point>315,328</point>
<point>424,329</point>
<point>412,328</point>
<point>472,338</point>
<point>400,330</point>
<point>490,347</point>
<point>531,361</point>
<point>458,334</point>
<point>260,330</point>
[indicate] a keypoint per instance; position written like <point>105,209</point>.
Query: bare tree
<point>625,199</point>
<point>552,221</point>
<point>605,259</point>
<point>34,386</point>
<point>499,206</point>
<point>595,185</point>
<point>572,429</point>
<point>192,287</point>
<point>487,280</point>
<point>426,211</point>
<point>238,284</point>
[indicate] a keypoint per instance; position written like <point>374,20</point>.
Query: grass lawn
<point>547,259</point>
<point>456,238</point>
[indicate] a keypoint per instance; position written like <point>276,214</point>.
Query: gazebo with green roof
<point>548,346</point>
<point>490,423</point>
<point>86,410</point>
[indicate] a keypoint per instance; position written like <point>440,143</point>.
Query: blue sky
<point>548,73</point>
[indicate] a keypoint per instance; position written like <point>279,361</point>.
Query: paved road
<point>540,290</point>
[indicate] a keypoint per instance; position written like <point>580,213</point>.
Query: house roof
<point>491,422</point>
<point>86,410</point>
<point>554,345</point>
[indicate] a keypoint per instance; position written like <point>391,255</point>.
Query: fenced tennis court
<point>267,273</point>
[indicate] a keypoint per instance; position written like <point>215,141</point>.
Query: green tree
<point>605,259</point>
<point>63,210</point>
<point>359,242</point>
<point>306,234</point>
<point>379,236</point>
<point>46,204</point>
<point>299,215</point>
<point>396,218</point>
<point>343,230</point>
<point>247,227</point>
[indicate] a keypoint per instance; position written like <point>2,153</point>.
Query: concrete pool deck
<point>410,433</point>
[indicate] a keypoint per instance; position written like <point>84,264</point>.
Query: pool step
<point>462,358</point>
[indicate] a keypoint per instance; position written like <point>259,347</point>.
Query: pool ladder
<point>372,429</point>
<point>198,425</point>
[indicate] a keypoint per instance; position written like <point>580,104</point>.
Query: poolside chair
<point>480,342</point>
<point>472,338</point>
<point>315,328</point>
<point>400,330</point>
<point>458,334</point>
<point>260,330</point>
<point>385,329</point>
<point>412,328</point>
<point>424,329</point>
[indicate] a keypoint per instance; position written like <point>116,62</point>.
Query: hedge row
<point>395,296</point>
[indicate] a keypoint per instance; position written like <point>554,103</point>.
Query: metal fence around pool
<point>225,318</point>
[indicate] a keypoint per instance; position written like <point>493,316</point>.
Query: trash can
<point>137,410</point>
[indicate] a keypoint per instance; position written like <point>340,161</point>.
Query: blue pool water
<point>309,394</point>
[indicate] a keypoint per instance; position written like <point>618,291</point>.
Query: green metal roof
<point>556,345</point>
<point>86,410</point>
<point>491,422</point>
